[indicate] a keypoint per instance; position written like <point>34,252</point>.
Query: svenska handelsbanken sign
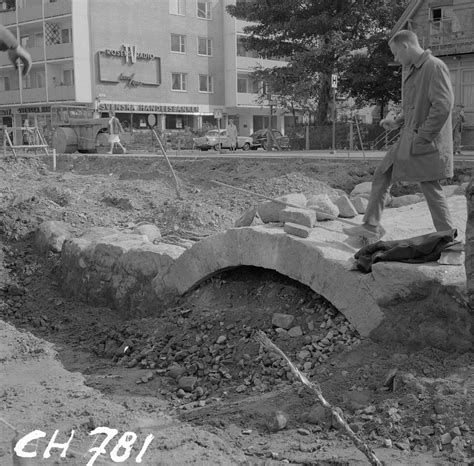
<point>148,108</point>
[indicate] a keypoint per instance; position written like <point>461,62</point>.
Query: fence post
<point>54,159</point>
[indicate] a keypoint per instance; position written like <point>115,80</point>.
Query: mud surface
<point>412,406</point>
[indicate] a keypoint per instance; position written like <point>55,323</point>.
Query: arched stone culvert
<point>417,304</point>
<point>324,265</point>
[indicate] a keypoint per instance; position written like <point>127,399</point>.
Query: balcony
<point>30,13</point>
<point>59,51</point>
<point>61,93</point>
<point>61,7</point>
<point>37,53</point>
<point>247,99</point>
<point>7,17</point>
<point>34,95</point>
<point>10,97</point>
<point>453,43</point>
<point>4,60</point>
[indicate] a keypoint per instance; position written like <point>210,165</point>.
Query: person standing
<point>115,128</point>
<point>424,152</point>
<point>458,121</point>
<point>232,135</point>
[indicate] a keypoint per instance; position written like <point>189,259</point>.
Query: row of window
<point>203,9</point>
<point>55,35</point>
<point>179,45</point>
<point>37,80</point>
<point>179,82</point>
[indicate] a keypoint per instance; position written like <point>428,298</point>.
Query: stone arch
<point>321,267</point>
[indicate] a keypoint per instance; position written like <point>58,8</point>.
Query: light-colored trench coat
<point>424,151</point>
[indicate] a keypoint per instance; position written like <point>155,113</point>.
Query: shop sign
<point>5,111</point>
<point>130,82</point>
<point>44,109</point>
<point>129,52</point>
<point>145,108</point>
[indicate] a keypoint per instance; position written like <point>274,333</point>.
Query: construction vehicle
<point>78,129</point>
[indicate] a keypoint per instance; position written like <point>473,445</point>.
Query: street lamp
<point>271,103</point>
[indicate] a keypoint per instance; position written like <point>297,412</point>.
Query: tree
<point>317,35</point>
<point>287,88</point>
<point>369,79</point>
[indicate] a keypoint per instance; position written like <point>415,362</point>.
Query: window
<point>68,77</point>
<point>441,20</point>
<point>39,39</point>
<point>204,10</point>
<point>204,46</point>
<point>242,51</point>
<point>26,81</point>
<point>206,83</point>
<point>66,36</point>
<point>247,85</point>
<point>178,81</point>
<point>468,88</point>
<point>25,41</point>
<point>178,43</point>
<point>177,7</point>
<point>5,83</point>
<point>241,84</point>
<point>40,79</point>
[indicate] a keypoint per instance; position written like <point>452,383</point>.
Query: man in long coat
<point>424,152</point>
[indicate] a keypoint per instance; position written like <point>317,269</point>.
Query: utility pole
<point>334,87</point>
<point>271,103</point>
<point>306,123</point>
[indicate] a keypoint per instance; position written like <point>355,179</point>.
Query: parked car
<point>211,140</point>
<point>259,139</point>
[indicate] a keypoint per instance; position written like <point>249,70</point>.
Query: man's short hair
<point>404,36</point>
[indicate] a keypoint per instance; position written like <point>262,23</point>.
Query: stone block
<point>187,383</point>
<point>296,230</point>
<point>303,217</point>
<point>269,211</point>
<point>295,331</point>
<point>152,232</point>
<point>322,205</point>
<point>408,199</point>
<point>360,204</point>
<point>51,235</point>
<point>362,189</point>
<point>282,320</point>
<point>246,219</point>
<point>346,208</point>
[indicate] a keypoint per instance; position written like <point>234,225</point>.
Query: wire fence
<point>347,136</point>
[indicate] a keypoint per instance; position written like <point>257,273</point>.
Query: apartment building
<point>446,27</point>
<point>180,60</point>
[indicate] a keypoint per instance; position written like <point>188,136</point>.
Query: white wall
<point>82,51</point>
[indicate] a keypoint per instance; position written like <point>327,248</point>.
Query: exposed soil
<point>412,406</point>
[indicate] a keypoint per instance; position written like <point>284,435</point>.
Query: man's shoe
<point>124,151</point>
<point>365,231</point>
<point>109,152</point>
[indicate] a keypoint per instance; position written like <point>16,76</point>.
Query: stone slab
<point>297,230</point>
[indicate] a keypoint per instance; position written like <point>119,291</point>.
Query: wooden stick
<point>261,338</point>
<point>163,151</point>
<point>288,204</point>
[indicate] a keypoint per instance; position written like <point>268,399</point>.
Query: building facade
<point>446,27</point>
<point>178,60</point>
